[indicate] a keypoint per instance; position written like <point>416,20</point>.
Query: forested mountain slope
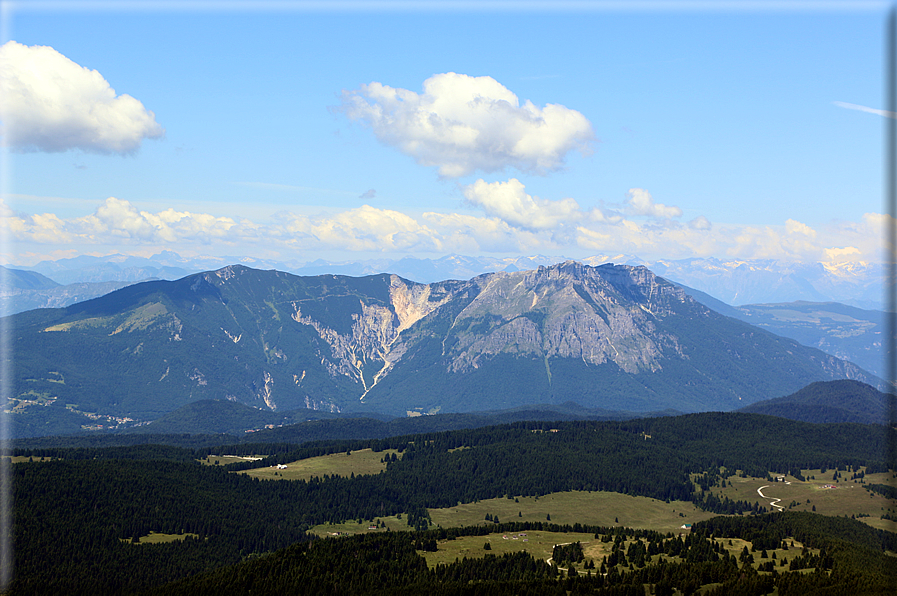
<point>613,337</point>
<point>827,402</point>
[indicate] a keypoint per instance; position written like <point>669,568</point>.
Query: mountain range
<point>26,290</point>
<point>848,332</point>
<point>615,337</point>
<point>733,281</point>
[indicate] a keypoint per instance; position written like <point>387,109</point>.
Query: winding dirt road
<point>772,501</point>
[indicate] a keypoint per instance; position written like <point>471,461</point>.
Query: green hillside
<point>828,402</point>
<point>87,509</point>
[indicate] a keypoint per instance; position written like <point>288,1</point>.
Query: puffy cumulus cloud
<point>472,233</point>
<point>799,242</point>
<point>44,228</point>
<point>864,240</point>
<point>640,202</point>
<point>792,241</point>
<point>754,242</point>
<point>462,124</point>
<point>597,215</point>
<point>841,254</point>
<point>366,229</point>
<point>509,202</point>
<point>51,104</point>
<point>119,218</point>
<point>363,229</point>
<point>116,220</point>
<point>799,229</point>
<point>700,223</point>
<point>626,236</point>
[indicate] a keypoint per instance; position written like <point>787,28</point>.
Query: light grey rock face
<point>594,314</point>
<point>368,351</point>
<point>597,315</point>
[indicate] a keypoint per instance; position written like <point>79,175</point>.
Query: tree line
<point>77,514</point>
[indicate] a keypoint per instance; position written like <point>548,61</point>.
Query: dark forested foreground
<point>849,561</point>
<point>75,517</point>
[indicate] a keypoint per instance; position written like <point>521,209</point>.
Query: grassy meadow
<point>842,497</point>
<point>395,523</point>
<point>159,538</point>
<point>21,459</point>
<point>540,545</point>
<point>592,508</point>
<point>833,497</point>
<point>361,462</point>
<point>223,460</point>
<point>537,543</point>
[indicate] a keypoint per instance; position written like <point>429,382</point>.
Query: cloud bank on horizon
<point>459,125</point>
<point>514,222</point>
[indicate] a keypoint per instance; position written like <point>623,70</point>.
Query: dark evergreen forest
<point>76,515</point>
<point>390,564</point>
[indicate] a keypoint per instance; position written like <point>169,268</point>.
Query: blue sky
<point>677,132</point>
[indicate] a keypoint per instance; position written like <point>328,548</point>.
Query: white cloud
<point>700,223</point>
<point>853,106</point>
<point>116,222</point>
<point>363,229</point>
<point>841,254</point>
<point>462,124</point>
<point>51,104</point>
<point>640,202</point>
<point>472,234</point>
<point>509,202</point>
<point>596,215</point>
<point>793,226</point>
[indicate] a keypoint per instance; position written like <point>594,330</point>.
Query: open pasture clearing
<point>541,544</point>
<point>395,523</point>
<point>223,460</point>
<point>829,497</point>
<point>597,550</point>
<point>734,546</point>
<point>538,544</point>
<point>159,538</point>
<point>21,459</point>
<point>361,462</point>
<point>583,507</point>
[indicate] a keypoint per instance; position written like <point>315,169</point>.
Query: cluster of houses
<point>517,537</point>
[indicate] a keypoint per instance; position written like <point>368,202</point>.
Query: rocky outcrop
<point>597,315</point>
<point>369,351</point>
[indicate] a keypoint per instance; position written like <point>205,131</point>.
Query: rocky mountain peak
<point>569,310</point>
<point>605,336</point>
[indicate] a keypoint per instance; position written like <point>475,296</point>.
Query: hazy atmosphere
<point>733,130</point>
<point>441,297</point>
